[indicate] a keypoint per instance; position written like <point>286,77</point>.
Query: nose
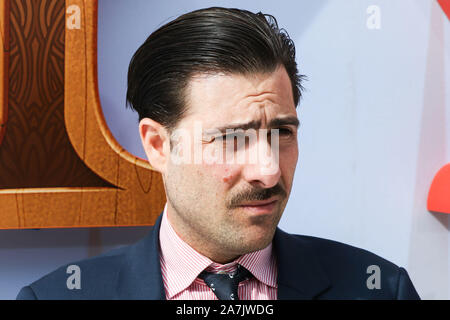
<point>262,165</point>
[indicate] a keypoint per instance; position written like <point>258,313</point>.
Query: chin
<point>258,242</point>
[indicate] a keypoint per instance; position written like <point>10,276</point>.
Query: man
<point>215,88</point>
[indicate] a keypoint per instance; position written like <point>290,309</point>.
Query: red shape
<point>439,195</point>
<point>445,5</point>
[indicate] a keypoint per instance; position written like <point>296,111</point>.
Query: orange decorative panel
<point>59,164</point>
<point>445,5</point>
<point>439,195</point>
<point>4,54</point>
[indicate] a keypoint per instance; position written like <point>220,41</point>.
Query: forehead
<point>223,98</point>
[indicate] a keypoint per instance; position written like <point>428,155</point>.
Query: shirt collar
<point>183,264</point>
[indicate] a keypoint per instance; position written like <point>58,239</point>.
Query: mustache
<point>257,195</point>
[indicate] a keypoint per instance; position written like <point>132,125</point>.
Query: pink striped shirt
<point>181,265</point>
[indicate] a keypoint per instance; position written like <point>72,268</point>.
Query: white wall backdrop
<point>375,129</point>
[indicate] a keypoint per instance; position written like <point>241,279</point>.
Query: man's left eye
<point>285,132</point>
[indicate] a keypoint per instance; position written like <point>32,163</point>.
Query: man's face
<point>205,197</point>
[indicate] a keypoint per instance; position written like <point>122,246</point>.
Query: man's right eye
<point>234,140</point>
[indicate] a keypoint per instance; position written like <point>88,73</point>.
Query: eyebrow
<point>256,124</point>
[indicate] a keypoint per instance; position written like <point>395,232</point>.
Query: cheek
<point>223,173</point>
<point>288,159</point>
<point>289,153</point>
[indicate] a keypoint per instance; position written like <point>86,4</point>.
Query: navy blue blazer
<point>308,268</point>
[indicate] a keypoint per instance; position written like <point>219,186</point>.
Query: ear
<point>155,141</point>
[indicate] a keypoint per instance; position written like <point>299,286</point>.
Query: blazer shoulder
<point>335,252</point>
<point>69,281</point>
<point>356,272</point>
<point>26,293</point>
<point>92,278</point>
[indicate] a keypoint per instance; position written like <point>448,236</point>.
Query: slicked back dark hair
<point>212,40</point>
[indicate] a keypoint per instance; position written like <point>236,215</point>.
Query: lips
<point>259,203</point>
<point>260,208</point>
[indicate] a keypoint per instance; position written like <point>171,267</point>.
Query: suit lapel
<point>140,276</point>
<point>300,275</point>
